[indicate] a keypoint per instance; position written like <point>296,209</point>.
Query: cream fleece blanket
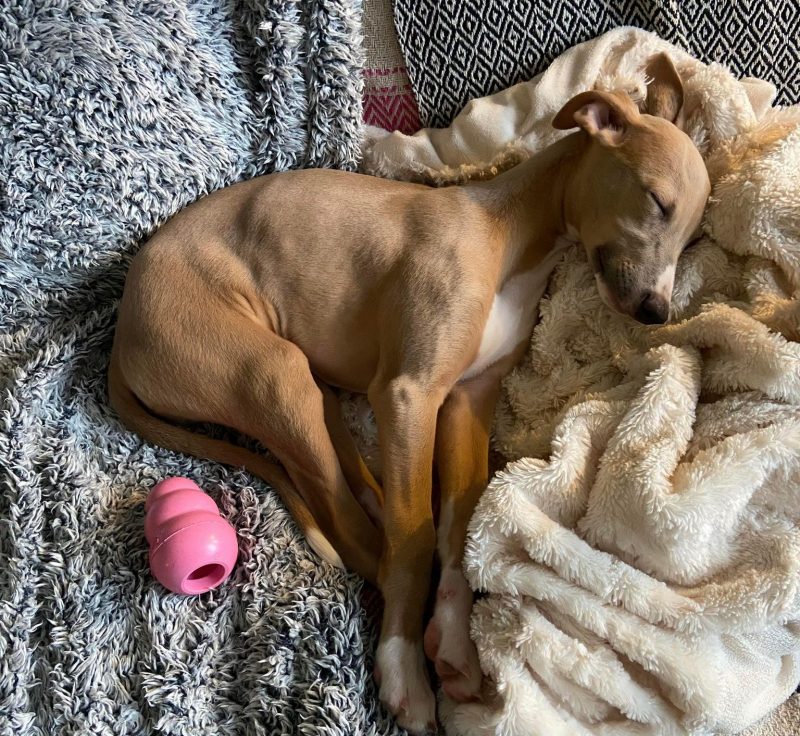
<point>640,554</point>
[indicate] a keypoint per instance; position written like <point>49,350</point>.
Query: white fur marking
<point>456,649</point>
<point>665,282</point>
<point>454,600</point>
<point>513,313</point>
<point>404,683</point>
<point>320,544</point>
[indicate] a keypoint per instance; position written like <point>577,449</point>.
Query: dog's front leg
<point>405,411</point>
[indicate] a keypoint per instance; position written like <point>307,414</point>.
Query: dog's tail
<point>137,417</point>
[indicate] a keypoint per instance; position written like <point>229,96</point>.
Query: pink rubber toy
<point>192,548</point>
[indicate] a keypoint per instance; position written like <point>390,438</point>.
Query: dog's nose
<point>654,310</point>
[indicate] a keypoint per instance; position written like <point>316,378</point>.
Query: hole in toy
<point>204,578</point>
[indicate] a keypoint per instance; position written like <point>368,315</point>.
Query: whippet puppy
<point>249,305</point>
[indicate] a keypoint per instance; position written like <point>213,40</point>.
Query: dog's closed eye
<point>665,209</point>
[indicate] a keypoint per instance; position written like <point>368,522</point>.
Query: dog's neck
<point>531,203</point>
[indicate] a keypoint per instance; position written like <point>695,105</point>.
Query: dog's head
<point>638,193</point>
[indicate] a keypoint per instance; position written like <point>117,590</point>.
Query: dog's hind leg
<point>361,481</point>
<point>284,408</point>
<point>236,372</point>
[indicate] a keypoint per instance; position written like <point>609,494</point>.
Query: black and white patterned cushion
<point>460,49</point>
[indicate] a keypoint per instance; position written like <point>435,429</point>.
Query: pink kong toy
<point>192,548</point>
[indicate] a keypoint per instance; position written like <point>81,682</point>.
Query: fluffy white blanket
<point>640,554</point>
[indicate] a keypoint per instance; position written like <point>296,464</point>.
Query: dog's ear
<point>603,115</point>
<point>665,89</point>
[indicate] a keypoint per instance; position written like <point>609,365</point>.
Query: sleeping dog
<point>248,306</point>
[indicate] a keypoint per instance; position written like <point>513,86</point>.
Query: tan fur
<point>245,307</point>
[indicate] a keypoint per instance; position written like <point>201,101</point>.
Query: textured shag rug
<point>113,116</point>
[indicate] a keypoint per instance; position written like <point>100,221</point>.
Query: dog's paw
<point>404,688</point>
<point>447,641</point>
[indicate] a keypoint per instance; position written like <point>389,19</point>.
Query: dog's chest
<point>512,315</point>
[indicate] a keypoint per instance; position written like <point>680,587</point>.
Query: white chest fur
<point>513,313</point>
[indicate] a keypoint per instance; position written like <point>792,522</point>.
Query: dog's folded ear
<point>664,89</point>
<point>605,116</point>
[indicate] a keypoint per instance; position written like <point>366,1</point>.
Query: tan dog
<point>245,308</point>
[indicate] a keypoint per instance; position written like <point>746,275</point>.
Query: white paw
<point>447,641</point>
<point>404,687</point>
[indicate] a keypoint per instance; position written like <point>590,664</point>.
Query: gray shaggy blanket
<point>113,116</point>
